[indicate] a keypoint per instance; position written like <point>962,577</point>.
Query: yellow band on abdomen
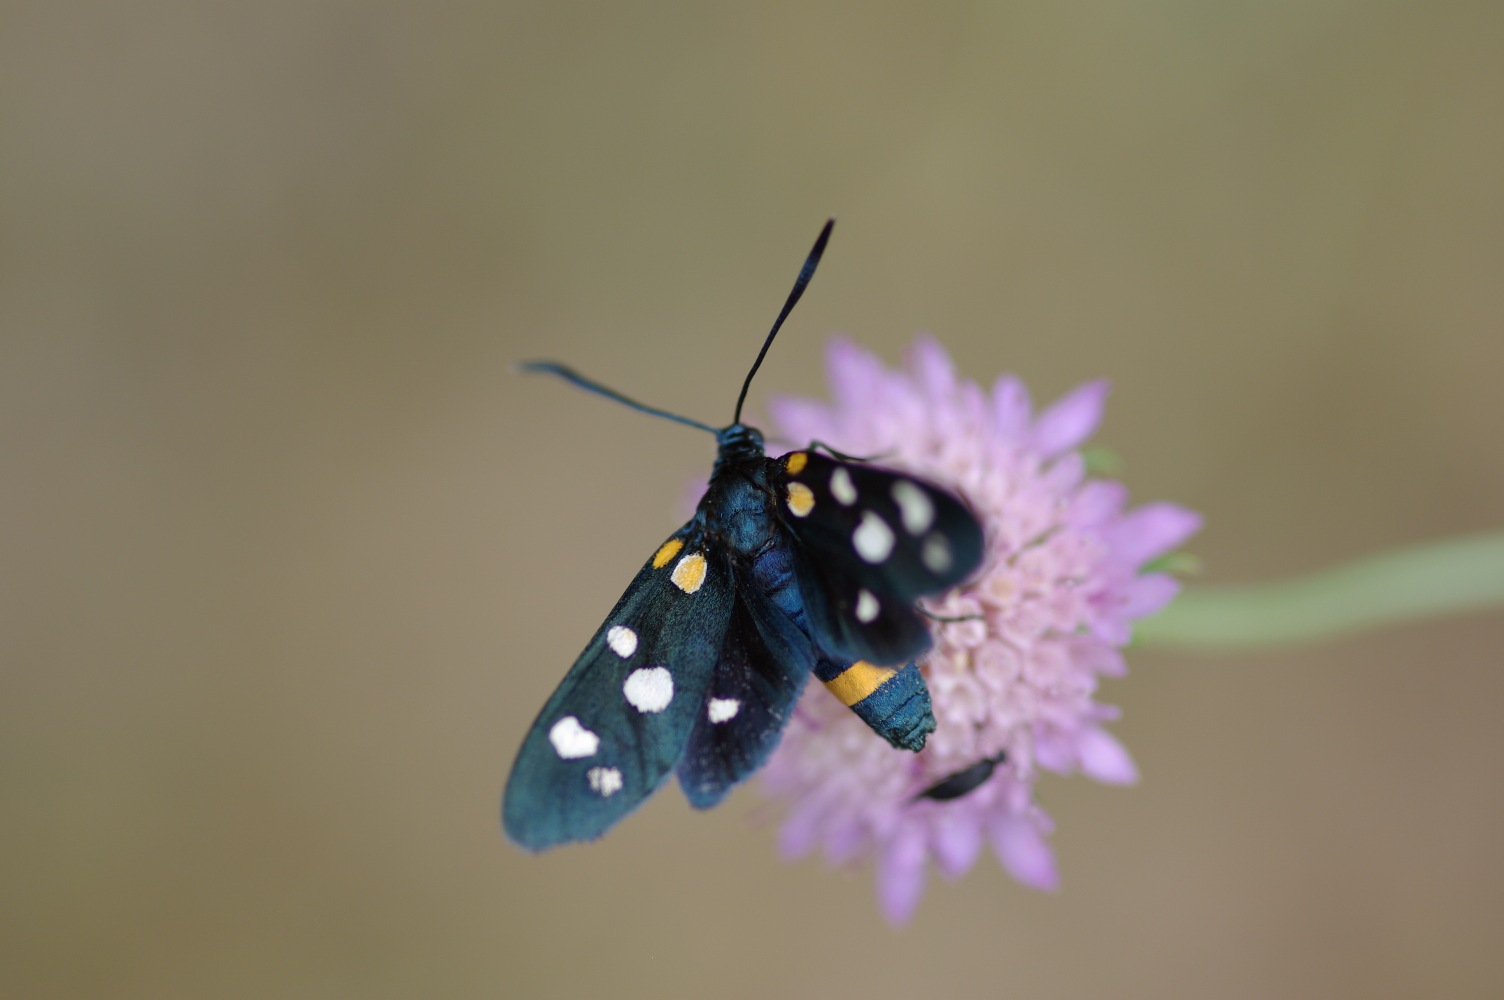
<point>858,681</point>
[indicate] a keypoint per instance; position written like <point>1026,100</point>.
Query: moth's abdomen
<point>895,703</point>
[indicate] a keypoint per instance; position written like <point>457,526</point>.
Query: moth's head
<point>738,442</point>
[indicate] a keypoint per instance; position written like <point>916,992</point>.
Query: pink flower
<point>1061,584</point>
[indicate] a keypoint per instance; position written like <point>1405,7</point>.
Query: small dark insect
<point>791,565</point>
<point>964,781</point>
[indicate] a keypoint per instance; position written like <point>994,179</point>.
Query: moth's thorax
<point>738,505</point>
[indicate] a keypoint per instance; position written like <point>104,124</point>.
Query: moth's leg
<point>841,456</point>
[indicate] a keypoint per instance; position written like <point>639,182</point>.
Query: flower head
<point>1061,583</point>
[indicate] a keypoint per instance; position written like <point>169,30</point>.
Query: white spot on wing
<point>873,538</point>
<point>841,486</point>
<point>622,640</point>
<point>915,506</point>
<point>936,554</point>
<point>649,689</point>
<point>572,740</point>
<point>722,709</point>
<point>866,607</point>
<point>605,780</point>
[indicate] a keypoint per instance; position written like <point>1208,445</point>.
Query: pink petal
<point>844,840</point>
<point>1104,713</point>
<point>1097,658</point>
<point>800,421</point>
<point>1150,593</point>
<point>1151,530</point>
<point>934,370</point>
<point>1105,759</point>
<point>1025,854</point>
<point>972,404</point>
<point>1097,501</point>
<point>1111,630</point>
<point>800,832</point>
<point>1064,474</point>
<point>855,374</point>
<point>1011,408</point>
<point>957,842</point>
<point>1053,753</point>
<point>900,876</point>
<point>1071,419</point>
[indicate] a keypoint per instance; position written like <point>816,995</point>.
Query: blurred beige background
<point>291,560</point>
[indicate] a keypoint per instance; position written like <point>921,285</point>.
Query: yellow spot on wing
<point>690,573</point>
<point>801,499</point>
<point>796,462</point>
<point>858,681</point>
<point>665,552</point>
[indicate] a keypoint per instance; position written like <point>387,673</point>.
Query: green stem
<point>1450,577</point>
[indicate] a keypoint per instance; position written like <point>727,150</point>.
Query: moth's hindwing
<point>765,660</point>
<point>620,720</point>
<point>870,542</point>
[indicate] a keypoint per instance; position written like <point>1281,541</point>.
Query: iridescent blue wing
<point>869,542</point>
<point>764,663</point>
<point>622,717</point>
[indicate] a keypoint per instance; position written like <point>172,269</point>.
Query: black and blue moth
<point>806,563</point>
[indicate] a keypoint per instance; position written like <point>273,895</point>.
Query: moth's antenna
<point>570,375</point>
<point>805,273</point>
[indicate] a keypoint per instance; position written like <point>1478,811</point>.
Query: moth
<point>810,562</point>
